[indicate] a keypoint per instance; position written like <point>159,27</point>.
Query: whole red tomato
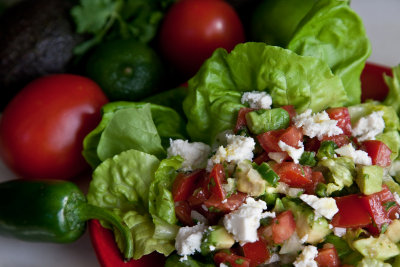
<point>193,29</point>
<point>42,128</point>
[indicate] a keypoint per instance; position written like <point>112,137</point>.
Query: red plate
<point>373,86</point>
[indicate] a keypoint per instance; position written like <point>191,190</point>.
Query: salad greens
<point>215,91</point>
<point>127,125</point>
<point>112,19</point>
<point>333,32</point>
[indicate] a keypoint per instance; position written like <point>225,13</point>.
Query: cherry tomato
<point>42,128</point>
<point>193,29</point>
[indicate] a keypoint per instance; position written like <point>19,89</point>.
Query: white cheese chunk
<point>244,222</point>
<point>358,156</point>
<point>317,125</point>
<point>188,239</point>
<point>368,127</point>
<point>306,258</point>
<point>195,154</point>
<point>294,153</point>
<point>325,206</point>
<point>257,100</point>
<point>339,231</point>
<point>238,148</point>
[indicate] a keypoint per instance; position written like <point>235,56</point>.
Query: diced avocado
<point>380,248</point>
<point>368,262</point>
<point>393,231</point>
<point>249,180</point>
<point>369,179</point>
<point>306,223</point>
<point>264,120</point>
<point>216,237</point>
<point>341,171</point>
<point>326,150</point>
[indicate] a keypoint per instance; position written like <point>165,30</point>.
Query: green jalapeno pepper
<point>51,211</point>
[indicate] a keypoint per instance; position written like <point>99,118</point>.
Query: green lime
<point>274,21</point>
<point>125,69</point>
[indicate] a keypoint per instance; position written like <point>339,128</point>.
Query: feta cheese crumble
<point>339,231</point>
<point>294,153</point>
<point>188,239</point>
<point>194,154</point>
<point>358,156</point>
<point>238,148</point>
<point>325,206</point>
<point>317,125</point>
<point>257,100</point>
<point>368,127</point>
<point>244,222</point>
<point>306,258</point>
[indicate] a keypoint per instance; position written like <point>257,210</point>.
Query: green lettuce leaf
<point>393,97</point>
<point>333,32</point>
<point>215,91</point>
<point>122,121</point>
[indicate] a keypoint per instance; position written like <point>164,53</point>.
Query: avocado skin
<point>36,38</point>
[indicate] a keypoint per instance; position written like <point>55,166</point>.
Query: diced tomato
<point>269,140</point>
<point>198,197</point>
<point>373,205</point>
<point>389,203</point>
<point>183,213</point>
<point>292,136</point>
<point>343,117</point>
<point>293,174</point>
<point>378,151</point>
<point>340,140</point>
<point>352,213</point>
<point>328,257</point>
<point>290,109</point>
<point>316,178</point>
<point>184,184</point>
<point>241,119</point>
<point>230,259</point>
<point>225,206</point>
<point>217,178</point>
<point>283,226</point>
<point>257,252</point>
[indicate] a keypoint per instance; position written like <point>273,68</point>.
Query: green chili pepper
<point>51,211</point>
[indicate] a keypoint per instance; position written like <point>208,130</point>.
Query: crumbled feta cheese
<point>258,100</point>
<point>278,157</point>
<point>198,217</point>
<point>358,156</point>
<point>325,206</point>
<point>184,258</point>
<point>223,265</point>
<point>244,222</point>
<point>294,153</point>
<point>188,239</point>
<point>238,148</point>
<point>318,125</point>
<point>194,154</point>
<point>339,231</point>
<point>306,258</point>
<point>289,191</point>
<point>368,127</point>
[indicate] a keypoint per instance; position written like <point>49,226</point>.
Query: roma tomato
<point>193,29</point>
<point>42,128</point>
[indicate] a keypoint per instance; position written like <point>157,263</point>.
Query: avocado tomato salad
<point>267,158</point>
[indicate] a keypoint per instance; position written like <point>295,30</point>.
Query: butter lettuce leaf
<point>132,125</point>
<point>333,32</point>
<point>215,92</point>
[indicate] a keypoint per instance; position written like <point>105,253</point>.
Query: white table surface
<point>382,22</point>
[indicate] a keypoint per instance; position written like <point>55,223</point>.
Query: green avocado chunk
<point>379,248</point>
<point>216,237</point>
<point>369,179</point>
